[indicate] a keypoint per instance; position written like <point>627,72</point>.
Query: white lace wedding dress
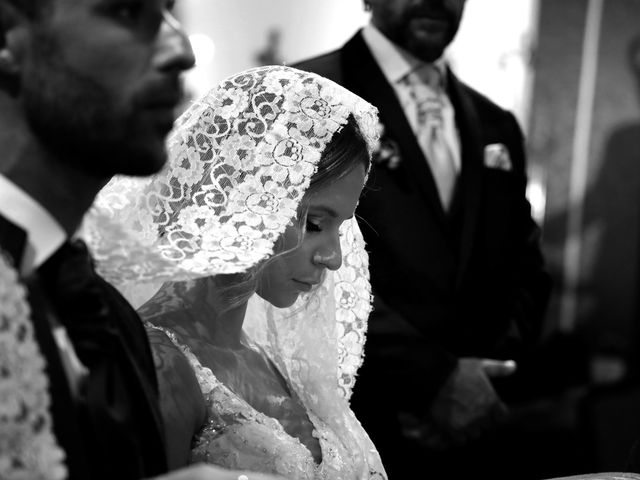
<point>316,345</point>
<point>238,436</point>
<point>240,161</point>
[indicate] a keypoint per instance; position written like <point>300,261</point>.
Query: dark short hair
<point>346,149</point>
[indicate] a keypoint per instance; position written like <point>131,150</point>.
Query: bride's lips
<point>304,286</point>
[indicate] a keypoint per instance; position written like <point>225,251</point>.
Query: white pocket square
<point>497,156</point>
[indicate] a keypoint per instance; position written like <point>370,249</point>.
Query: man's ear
<point>13,25</point>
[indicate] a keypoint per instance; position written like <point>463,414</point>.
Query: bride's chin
<point>286,304</point>
<point>281,301</point>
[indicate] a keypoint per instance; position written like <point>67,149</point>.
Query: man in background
<point>456,268</point>
<point>87,90</point>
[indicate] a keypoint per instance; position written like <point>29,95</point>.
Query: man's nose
<point>174,49</point>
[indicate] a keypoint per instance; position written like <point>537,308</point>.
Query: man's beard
<point>427,50</point>
<point>79,122</point>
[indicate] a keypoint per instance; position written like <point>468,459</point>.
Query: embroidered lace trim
<point>28,447</point>
<point>237,436</point>
<point>240,160</point>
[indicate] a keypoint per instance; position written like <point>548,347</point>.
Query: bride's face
<point>299,270</point>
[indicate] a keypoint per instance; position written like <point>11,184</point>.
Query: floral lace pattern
<point>317,345</point>
<point>240,160</point>
<point>352,293</point>
<point>237,436</point>
<point>28,447</point>
<point>335,314</point>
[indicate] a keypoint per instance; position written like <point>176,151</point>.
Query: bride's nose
<point>329,257</point>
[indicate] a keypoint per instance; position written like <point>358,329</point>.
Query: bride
<point>258,328</point>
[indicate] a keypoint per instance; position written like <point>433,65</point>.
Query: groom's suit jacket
<point>111,428</point>
<point>470,282</point>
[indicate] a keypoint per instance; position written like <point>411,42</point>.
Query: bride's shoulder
<point>181,401</point>
<point>177,380</point>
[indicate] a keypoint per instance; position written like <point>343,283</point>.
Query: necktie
<point>425,87</point>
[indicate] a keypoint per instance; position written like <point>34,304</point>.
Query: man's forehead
<point>61,7</point>
<point>88,4</point>
<point>77,4</point>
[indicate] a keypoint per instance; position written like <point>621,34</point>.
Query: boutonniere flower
<point>387,153</point>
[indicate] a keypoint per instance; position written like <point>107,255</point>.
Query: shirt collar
<point>394,61</point>
<point>44,234</point>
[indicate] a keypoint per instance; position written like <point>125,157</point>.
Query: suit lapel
<point>13,241</point>
<point>63,408</point>
<point>363,76</point>
<point>470,185</point>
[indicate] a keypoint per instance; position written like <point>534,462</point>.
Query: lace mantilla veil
<point>240,161</point>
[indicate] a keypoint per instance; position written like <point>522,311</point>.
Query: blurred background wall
<point>570,71</point>
<point>230,36</point>
<point>584,134</point>
<point>584,129</point>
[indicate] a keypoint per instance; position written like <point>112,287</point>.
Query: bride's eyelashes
<point>313,225</point>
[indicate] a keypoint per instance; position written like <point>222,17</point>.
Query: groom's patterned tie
<point>425,85</point>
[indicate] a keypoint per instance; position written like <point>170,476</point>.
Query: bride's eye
<point>313,225</point>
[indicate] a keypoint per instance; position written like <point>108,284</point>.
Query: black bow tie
<point>71,264</point>
<point>74,287</point>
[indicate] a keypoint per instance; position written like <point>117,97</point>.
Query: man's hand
<point>467,404</point>
<point>209,472</point>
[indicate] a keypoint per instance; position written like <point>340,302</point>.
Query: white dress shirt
<point>44,233</point>
<point>44,236</point>
<point>396,63</point>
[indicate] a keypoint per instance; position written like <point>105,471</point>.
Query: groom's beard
<point>79,121</point>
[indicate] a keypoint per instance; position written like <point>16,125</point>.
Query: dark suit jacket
<point>113,428</point>
<point>470,282</point>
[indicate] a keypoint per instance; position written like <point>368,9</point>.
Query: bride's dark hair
<point>346,149</point>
